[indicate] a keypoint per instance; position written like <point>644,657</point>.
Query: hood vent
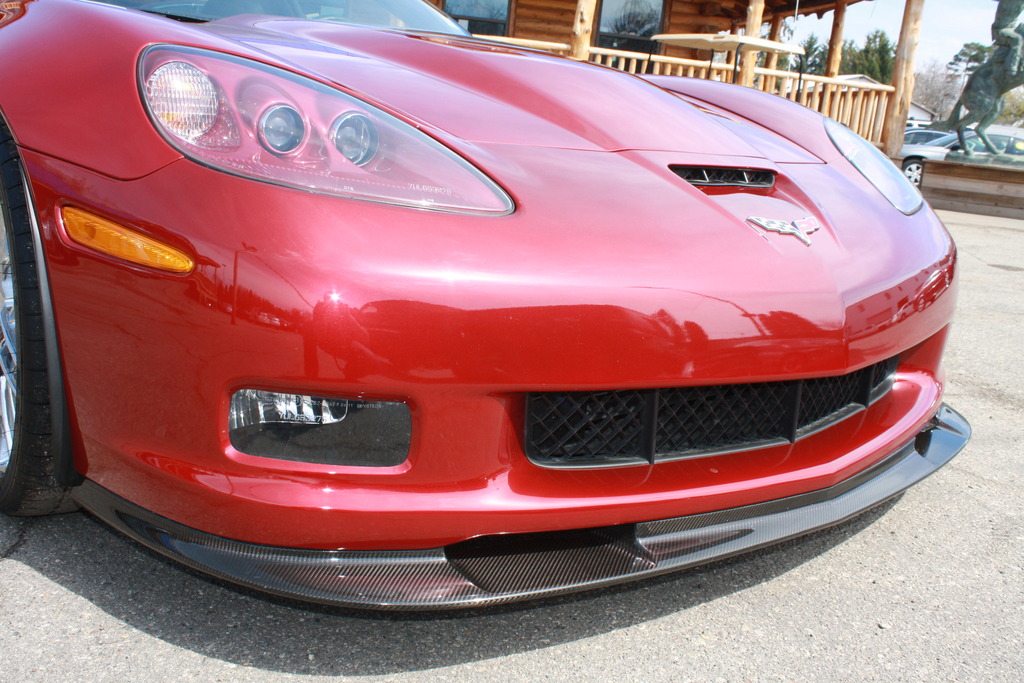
<point>710,176</point>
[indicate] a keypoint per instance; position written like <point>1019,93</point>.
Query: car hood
<point>483,92</point>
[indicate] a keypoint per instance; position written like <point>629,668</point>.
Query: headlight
<point>876,167</point>
<point>355,136</point>
<point>182,99</point>
<point>281,129</point>
<point>260,122</point>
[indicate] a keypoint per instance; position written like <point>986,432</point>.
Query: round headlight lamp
<point>355,137</point>
<point>183,99</point>
<point>281,129</point>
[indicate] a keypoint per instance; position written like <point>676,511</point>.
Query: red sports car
<point>333,300</point>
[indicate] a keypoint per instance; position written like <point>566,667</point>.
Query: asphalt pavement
<point>927,588</point>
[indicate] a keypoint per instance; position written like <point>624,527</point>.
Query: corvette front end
<point>450,333</point>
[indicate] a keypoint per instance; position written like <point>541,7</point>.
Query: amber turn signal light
<point>123,243</point>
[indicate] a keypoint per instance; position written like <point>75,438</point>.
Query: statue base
<point>993,188</point>
<point>1007,160</point>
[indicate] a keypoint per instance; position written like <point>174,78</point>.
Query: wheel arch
<point>65,472</point>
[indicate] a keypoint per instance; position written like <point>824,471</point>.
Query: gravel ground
<point>928,588</point>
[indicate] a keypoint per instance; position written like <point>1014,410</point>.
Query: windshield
<point>944,140</point>
<point>415,15</point>
<point>974,143</point>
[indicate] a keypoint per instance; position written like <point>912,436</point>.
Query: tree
<point>815,55</point>
<point>879,55</point>
<point>637,18</point>
<point>936,87</point>
<point>876,59</point>
<point>482,9</point>
<point>969,58</point>
<point>850,63</point>
<point>1013,108</point>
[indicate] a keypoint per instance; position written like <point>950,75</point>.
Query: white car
<point>921,136</point>
<point>1006,139</point>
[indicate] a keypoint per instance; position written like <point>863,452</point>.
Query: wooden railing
<point>641,63</point>
<point>859,105</point>
<point>547,46</point>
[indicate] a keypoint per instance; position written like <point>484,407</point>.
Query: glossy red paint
<point>415,313</point>
<point>611,273</point>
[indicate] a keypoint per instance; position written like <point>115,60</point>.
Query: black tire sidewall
<point>28,486</point>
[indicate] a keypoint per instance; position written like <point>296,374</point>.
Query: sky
<point>945,25</point>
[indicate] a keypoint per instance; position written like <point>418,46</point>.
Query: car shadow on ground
<point>218,620</point>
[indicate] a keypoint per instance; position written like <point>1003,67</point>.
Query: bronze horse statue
<point>982,97</point>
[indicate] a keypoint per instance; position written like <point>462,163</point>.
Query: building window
<point>629,24</point>
<point>486,17</point>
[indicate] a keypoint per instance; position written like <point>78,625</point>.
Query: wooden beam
<point>772,62</point>
<point>835,55</point>
<point>774,33</point>
<point>513,12</point>
<point>808,7</point>
<point>835,41</point>
<point>582,29</point>
<point>755,14</point>
<point>902,78</point>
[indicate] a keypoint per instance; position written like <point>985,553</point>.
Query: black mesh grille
<point>820,398</point>
<point>727,177</point>
<point>703,418</point>
<point>574,425</point>
<point>601,428</point>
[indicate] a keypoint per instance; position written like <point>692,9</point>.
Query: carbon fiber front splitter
<point>515,567</point>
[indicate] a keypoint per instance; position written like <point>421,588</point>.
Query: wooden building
<point>636,36</point>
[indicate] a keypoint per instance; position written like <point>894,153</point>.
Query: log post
<point>755,14</point>
<point>835,41</point>
<point>772,62</point>
<point>582,29</point>
<point>774,33</point>
<point>902,78</point>
<point>835,53</point>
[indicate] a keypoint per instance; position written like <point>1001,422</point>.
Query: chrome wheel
<point>8,348</point>
<point>913,170</point>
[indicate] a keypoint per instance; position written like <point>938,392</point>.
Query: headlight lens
<point>355,136</point>
<point>182,99</point>
<point>876,167</point>
<point>281,129</point>
<point>256,121</point>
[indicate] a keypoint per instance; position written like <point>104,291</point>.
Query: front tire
<point>28,480</point>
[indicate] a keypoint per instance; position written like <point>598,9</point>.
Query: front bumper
<point>499,569</point>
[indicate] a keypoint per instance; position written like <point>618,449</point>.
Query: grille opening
<point>617,428</point>
<point>713,176</point>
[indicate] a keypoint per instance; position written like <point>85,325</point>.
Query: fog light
<point>330,431</point>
